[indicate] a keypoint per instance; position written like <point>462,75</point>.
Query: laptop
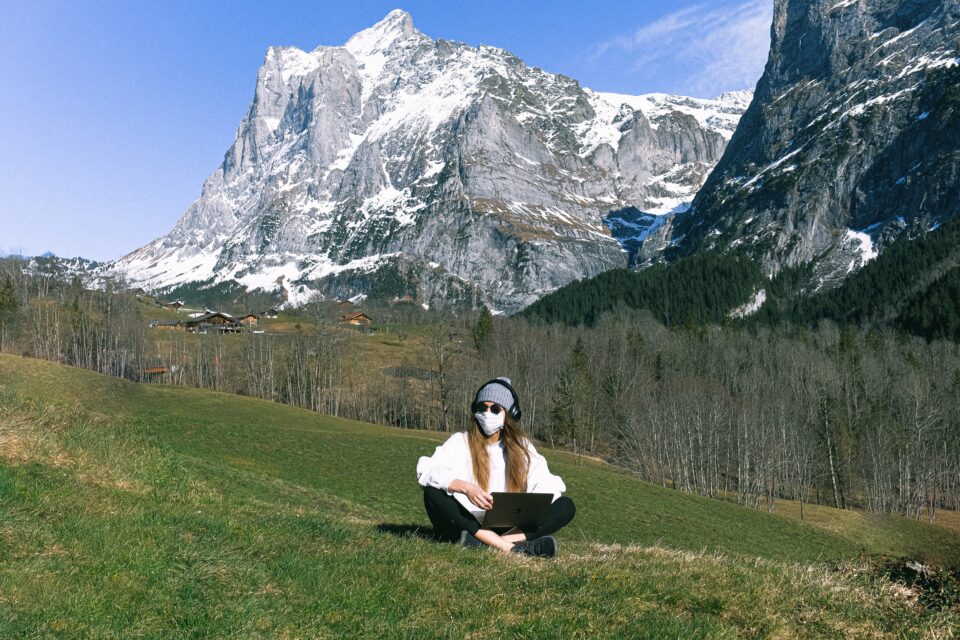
<point>522,510</point>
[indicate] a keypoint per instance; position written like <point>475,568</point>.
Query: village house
<point>250,320</point>
<point>176,305</point>
<point>357,319</point>
<point>216,320</point>
<point>272,312</point>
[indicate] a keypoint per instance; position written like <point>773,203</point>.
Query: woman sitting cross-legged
<point>492,455</point>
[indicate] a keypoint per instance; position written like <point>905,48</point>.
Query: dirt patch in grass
<point>933,588</point>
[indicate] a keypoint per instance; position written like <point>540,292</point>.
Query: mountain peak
<point>392,155</point>
<point>396,25</point>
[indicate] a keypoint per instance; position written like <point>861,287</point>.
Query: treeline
<point>910,286</point>
<point>700,289</point>
<point>935,312</point>
<point>316,366</point>
<point>63,322</point>
<point>888,291</point>
<point>833,416</point>
<point>221,295</point>
<point>830,415</point>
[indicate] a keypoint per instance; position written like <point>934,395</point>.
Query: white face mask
<point>490,422</point>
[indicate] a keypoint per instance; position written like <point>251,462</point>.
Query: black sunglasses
<point>494,408</point>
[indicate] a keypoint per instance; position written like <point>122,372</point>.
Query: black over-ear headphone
<point>514,412</point>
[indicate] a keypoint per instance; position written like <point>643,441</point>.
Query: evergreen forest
<point>911,286</point>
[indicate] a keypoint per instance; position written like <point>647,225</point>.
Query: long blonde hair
<point>518,458</point>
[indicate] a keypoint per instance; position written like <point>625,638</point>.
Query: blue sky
<point>113,113</point>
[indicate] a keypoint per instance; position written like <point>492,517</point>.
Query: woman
<point>493,455</point>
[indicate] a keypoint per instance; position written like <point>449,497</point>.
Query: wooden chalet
<point>176,305</point>
<point>357,319</point>
<point>250,319</point>
<point>216,320</point>
<point>272,312</point>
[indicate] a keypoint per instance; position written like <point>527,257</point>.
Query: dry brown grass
<point>22,440</point>
<point>33,435</point>
<point>12,447</point>
<point>948,519</point>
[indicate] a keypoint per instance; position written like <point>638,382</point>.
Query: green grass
<point>149,511</point>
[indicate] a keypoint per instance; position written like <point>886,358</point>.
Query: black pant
<point>449,517</point>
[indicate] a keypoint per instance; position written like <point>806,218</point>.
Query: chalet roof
<point>156,370</point>
<point>354,316</point>
<point>208,316</point>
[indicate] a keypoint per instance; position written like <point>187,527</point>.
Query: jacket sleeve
<point>445,465</point>
<point>539,478</point>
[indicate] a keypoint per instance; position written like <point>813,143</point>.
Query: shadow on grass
<point>409,531</point>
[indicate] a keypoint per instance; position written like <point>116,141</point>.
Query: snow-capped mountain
<point>853,138</point>
<point>397,164</point>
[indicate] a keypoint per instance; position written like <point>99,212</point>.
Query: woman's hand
<point>475,494</point>
<point>478,496</point>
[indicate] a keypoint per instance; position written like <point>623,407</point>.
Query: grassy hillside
<point>169,512</point>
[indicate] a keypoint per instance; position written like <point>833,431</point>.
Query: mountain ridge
<point>482,180</point>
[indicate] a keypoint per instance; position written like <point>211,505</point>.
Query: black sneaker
<point>468,540</point>
<point>545,547</point>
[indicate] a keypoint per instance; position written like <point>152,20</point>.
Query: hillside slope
<point>165,511</point>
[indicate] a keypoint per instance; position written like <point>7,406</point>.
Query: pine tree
<point>572,419</point>
<point>562,421</point>
<point>482,329</point>
<point>8,298</point>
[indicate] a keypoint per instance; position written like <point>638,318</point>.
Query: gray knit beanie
<point>493,392</point>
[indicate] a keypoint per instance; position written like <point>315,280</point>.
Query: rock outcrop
<point>853,138</point>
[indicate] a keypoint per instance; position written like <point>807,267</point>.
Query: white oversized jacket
<point>451,461</point>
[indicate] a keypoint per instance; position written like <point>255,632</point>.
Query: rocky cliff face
<point>397,164</point>
<point>852,139</point>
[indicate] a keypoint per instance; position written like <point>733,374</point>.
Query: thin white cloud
<point>699,50</point>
